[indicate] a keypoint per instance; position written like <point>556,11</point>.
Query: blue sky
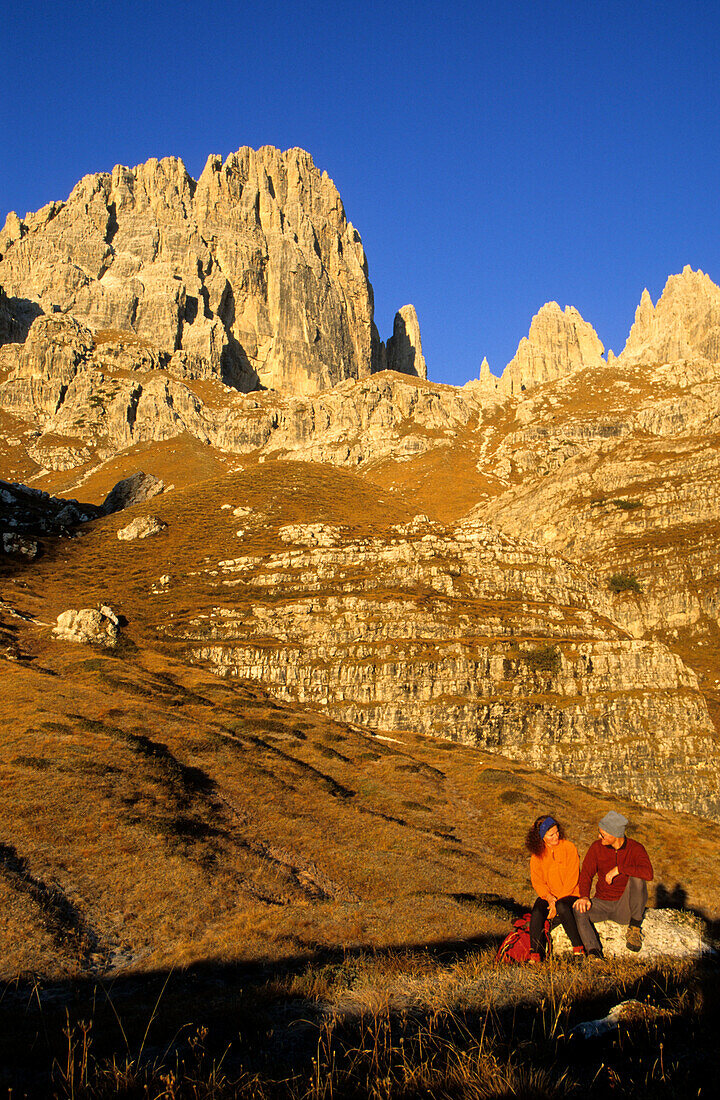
<point>493,156</point>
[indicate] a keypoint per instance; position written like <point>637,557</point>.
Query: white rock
<point>665,932</point>
<point>88,626</point>
<point>16,544</point>
<point>591,1029</point>
<point>140,528</point>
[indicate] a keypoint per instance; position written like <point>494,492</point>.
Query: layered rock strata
<point>468,635</point>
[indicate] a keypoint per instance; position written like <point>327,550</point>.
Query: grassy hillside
<point>202,890</point>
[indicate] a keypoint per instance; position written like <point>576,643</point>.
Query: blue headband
<point>545,825</point>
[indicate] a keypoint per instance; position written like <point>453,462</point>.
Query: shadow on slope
<point>437,1019</point>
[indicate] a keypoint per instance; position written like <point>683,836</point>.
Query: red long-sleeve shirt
<point>631,860</point>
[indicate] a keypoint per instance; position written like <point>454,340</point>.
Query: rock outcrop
<point>404,348</point>
<point>84,409</point>
<point>559,342</point>
<point>253,273</point>
<point>31,512</point>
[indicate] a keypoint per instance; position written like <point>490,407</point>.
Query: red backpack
<point>516,945</point>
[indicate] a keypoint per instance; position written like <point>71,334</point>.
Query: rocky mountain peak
<point>559,342</point>
<point>254,268</point>
<point>685,323</point>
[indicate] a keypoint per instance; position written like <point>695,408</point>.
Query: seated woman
<point>554,872</point>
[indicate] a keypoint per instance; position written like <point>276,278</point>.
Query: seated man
<point>623,871</point>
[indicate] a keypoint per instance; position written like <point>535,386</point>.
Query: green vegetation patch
<point>622,503</point>
<point>545,658</point>
<point>624,582</point>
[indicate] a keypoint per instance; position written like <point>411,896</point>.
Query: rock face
<point>252,273</point>
<point>6,318</point>
<point>86,405</point>
<point>685,324</point>
<point>404,348</point>
<point>558,343</point>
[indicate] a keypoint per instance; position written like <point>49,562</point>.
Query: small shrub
<point>624,582</point>
<point>619,502</point>
<point>544,659</point>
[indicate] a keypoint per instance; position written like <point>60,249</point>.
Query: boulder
<point>88,626</point>
<point>17,544</point>
<point>671,932</point>
<point>135,489</point>
<point>141,528</point>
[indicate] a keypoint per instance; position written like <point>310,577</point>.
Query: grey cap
<point>614,823</point>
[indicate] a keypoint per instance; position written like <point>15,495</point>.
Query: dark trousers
<point>629,908</point>
<point>565,916</point>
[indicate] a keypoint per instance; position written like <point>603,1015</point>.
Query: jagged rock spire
<point>685,323</point>
<point>404,348</point>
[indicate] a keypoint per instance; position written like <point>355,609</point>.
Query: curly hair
<point>533,841</point>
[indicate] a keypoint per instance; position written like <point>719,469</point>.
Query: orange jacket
<point>556,871</point>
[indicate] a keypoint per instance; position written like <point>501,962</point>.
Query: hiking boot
<point>534,959</point>
<point>578,955</point>
<point>633,938</point>
<point>594,957</point>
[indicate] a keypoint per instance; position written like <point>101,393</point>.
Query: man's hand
<point>582,905</point>
<point>611,875</point>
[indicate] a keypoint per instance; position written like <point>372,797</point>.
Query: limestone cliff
<point>254,269</point>
<point>559,342</point>
<point>459,633</point>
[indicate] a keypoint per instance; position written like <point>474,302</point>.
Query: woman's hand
<point>551,900</point>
